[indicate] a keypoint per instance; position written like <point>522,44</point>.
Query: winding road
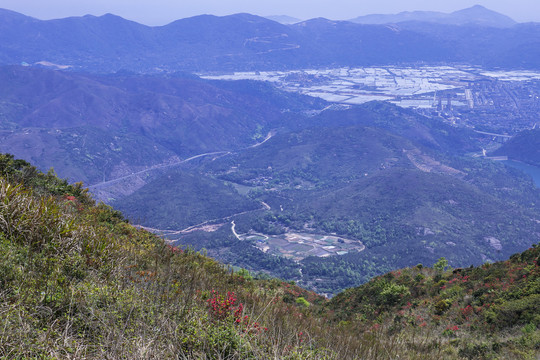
<point>157,167</point>
<point>105,184</point>
<point>233,226</point>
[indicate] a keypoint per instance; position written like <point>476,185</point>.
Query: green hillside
<point>524,147</point>
<point>406,216</point>
<point>180,199</point>
<point>96,128</point>
<point>486,312</point>
<point>78,282</point>
<point>315,157</point>
<point>406,198</point>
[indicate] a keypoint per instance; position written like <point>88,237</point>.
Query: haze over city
<point>160,12</point>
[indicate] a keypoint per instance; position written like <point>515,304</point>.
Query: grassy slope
<point>79,282</point>
<point>485,312</point>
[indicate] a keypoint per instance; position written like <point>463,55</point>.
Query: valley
<point>325,194</point>
<point>321,165</point>
<point>248,187</point>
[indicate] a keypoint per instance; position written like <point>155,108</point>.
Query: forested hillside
<point>524,147</point>
<point>96,128</point>
<point>380,176</point>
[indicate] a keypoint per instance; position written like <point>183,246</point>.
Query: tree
<point>441,264</point>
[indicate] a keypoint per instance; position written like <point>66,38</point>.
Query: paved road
<point>157,167</point>
<point>164,166</point>
<point>492,134</point>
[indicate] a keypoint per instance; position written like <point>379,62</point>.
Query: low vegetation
<point>486,312</point>
<point>78,282</point>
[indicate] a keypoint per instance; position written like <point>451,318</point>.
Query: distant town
<point>495,102</point>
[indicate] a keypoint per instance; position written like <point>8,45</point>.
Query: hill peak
<point>317,21</point>
<point>248,17</point>
<point>481,15</point>
<point>475,9</point>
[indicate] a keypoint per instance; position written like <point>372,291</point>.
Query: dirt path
<point>233,226</point>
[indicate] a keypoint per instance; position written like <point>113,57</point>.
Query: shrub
<point>474,351</point>
<point>302,301</point>
<point>441,306</point>
<point>520,311</point>
<point>245,274</point>
<point>529,328</point>
<point>392,293</point>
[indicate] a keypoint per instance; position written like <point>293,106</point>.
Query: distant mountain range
<point>476,15</point>
<point>283,19</point>
<point>246,42</point>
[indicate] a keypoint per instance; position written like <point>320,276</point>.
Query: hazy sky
<point>159,12</point>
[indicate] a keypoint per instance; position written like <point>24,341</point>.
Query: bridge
<point>496,137</point>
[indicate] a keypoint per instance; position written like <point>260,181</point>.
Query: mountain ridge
<point>248,42</point>
<point>476,14</point>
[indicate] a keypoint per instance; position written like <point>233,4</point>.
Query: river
<point>530,170</point>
